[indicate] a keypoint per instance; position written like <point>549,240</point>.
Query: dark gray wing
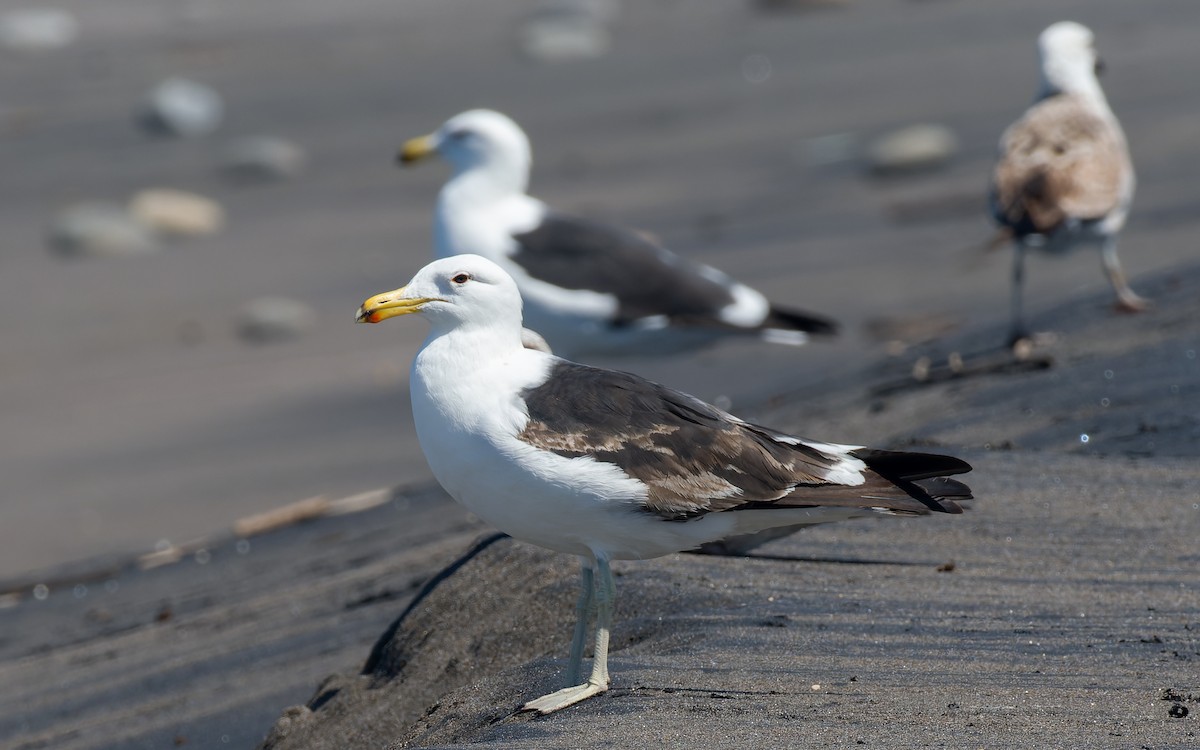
<point>696,459</point>
<point>646,279</point>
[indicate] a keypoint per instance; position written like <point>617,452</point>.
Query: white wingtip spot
<point>652,323</point>
<point>789,338</point>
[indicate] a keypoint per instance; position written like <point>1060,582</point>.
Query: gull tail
<point>924,476</point>
<point>786,326</point>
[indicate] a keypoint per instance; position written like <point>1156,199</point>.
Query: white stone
<point>270,319</point>
<point>100,230</point>
<point>261,158</point>
<point>181,107</point>
<point>913,148</point>
<point>176,212</point>
<point>566,30</point>
<point>37,29</point>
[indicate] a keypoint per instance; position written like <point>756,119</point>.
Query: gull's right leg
<point>1017,331</point>
<point>583,610</point>
<point>1127,299</point>
<point>598,682</point>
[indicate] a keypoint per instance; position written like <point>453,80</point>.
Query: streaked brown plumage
<point>1061,161</point>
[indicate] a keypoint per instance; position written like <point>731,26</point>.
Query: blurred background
<point>197,194</point>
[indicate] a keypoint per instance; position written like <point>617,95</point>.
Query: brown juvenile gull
<point>1064,177</point>
<point>589,287</point>
<point>608,466</point>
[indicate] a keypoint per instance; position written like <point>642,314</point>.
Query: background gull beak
<point>416,149</point>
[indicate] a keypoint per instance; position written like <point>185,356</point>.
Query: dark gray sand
<point>1060,611</point>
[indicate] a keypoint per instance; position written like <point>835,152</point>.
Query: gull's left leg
<point>598,682</point>
<point>1016,329</point>
<point>1127,299</point>
<point>583,609</point>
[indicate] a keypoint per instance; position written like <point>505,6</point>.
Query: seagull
<point>607,466</point>
<point>589,288</point>
<point>1064,177</point>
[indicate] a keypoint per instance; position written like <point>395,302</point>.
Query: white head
<point>481,142</point>
<point>462,292</point>
<point>1069,60</point>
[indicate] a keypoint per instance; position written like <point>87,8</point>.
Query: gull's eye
<point>461,278</point>
<point>458,135</point>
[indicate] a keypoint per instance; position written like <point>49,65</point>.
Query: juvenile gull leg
<point>1127,299</point>
<point>1017,329</point>
<point>582,615</point>
<point>598,682</point>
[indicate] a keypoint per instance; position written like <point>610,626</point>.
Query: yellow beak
<point>416,149</point>
<point>390,305</point>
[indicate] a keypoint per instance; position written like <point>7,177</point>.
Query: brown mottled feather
<point>1061,161</point>
<point>696,459</point>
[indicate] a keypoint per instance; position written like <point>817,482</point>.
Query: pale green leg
<point>598,682</point>
<point>582,615</point>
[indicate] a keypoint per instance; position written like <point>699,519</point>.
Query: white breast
<point>467,417</point>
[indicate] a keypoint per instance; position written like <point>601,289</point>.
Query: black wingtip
<point>946,492</point>
<point>923,475</point>
<point>799,320</point>
<point>910,466</point>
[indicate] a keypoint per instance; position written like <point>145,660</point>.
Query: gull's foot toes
<point>563,698</point>
<point>1132,304</point>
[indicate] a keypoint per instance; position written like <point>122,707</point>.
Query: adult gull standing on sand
<point>1064,176</point>
<point>608,466</point>
<point>589,287</point>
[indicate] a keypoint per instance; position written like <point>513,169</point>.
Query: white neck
<point>461,373</point>
<point>480,208</point>
<point>480,341</point>
<point>1063,77</point>
<point>502,173</point>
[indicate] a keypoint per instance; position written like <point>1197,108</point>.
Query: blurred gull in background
<point>1064,176</point>
<point>589,288</point>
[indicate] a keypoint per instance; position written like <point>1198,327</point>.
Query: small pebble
<point>176,212</point>
<point>38,29</point>
<point>180,107</point>
<point>100,230</point>
<point>568,30</point>
<point>911,149</point>
<point>272,319</point>
<point>261,158</point>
